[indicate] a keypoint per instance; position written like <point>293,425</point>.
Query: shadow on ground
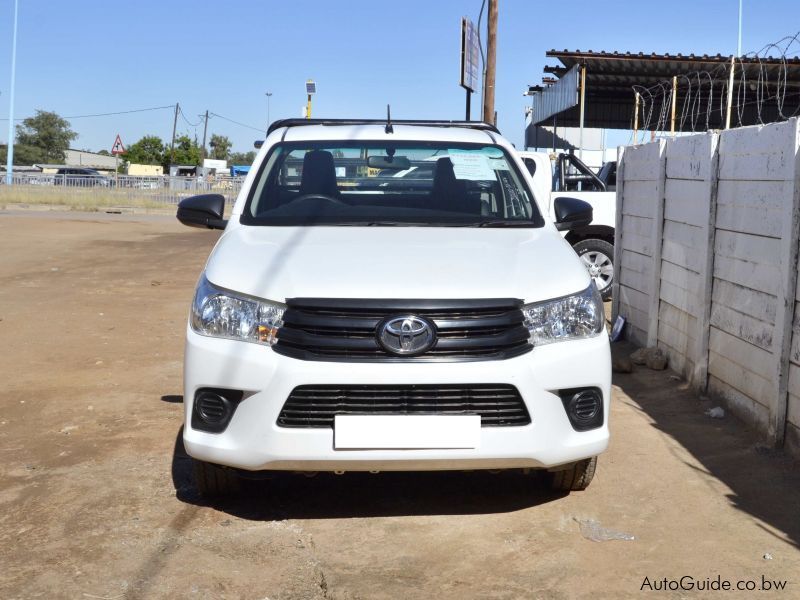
<point>329,496</point>
<point>172,399</point>
<point>765,483</point>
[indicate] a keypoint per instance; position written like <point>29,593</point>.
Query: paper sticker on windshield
<point>497,164</point>
<point>471,165</point>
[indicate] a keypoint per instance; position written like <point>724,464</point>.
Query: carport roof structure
<point>611,78</point>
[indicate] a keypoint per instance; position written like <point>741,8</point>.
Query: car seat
<point>450,193</point>
<point>319,174</point>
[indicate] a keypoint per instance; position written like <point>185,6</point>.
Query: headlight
<point>223,314</point>
<point>573,317</point>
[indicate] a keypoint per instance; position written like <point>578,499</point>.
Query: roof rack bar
<point>480,125</point>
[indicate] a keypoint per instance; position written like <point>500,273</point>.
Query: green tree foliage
<point>43,139</point>
<point>241,158</point>
<point>147,151</point>
<point>220,147</point>
<point>187,152</point>
<point>23,155</point>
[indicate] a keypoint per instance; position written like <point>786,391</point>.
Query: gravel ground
<point>97,500</point>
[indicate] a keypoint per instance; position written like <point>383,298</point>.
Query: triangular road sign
<point>118,148</point>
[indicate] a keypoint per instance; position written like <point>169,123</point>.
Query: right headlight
<point>224,314</point>
<point>573,317</point>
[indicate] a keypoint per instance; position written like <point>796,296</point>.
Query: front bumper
<point>253,441</point>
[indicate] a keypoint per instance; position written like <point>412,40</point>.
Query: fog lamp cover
<point>584,407</point>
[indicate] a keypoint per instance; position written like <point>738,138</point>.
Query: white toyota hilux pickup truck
<point>593,243</point>
<point>350,320</point>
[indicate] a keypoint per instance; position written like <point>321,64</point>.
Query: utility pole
<point>674,102</point>
<point>491,59</point>
<point>730,94</point>
<point>739,45</point>
<point>205,129</point>
<point>10,154</point>
<point>174,127</point>
<point>268,95</point>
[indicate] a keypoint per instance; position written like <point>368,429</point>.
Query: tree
<point>220,147</point>
<point>242,158</point>
<point>43,138</point>
<point>147,151</point>
<point>187,152</point>
<point>104,152</point>
<point>23,155</point>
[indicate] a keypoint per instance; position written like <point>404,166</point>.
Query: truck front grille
<point>347,330</point>
<point>499,405</point>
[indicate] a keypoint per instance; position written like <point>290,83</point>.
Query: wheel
<point>576,477</point>
<point>213,481</point>
<point>598,257</point>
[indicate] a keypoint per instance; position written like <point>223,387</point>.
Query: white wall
<point>638,218</point>
<point>706,267</point>
<point>79,158</point>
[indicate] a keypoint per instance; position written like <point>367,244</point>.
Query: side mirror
<point>572,213</point>
<point>203,211</point>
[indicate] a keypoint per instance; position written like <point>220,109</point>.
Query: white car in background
<point>594,243</point>
<point>348,322</point>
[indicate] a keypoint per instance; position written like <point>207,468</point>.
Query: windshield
<point>411,183</point>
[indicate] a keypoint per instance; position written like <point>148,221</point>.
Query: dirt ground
<point>97,499</point>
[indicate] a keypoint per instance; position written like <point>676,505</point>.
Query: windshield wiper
<point>495,223</point>
<point>378,224</point>
<point>501,223</point>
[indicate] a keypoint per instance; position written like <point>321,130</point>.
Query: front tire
<point>214,481</point>
<point>576,477</point>
<point>598,258</point>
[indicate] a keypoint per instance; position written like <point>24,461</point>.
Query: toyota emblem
<point>406,335</point>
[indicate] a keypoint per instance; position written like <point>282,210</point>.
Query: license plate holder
<point>406,432</point>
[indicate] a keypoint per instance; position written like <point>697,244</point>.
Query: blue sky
<point>93,56</point>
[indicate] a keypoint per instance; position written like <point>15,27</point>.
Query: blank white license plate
<point>405,432</point>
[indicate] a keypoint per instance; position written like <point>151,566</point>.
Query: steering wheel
<point>324,197</point>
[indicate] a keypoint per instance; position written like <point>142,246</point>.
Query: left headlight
<point>223,314</point>
<point>573,317</point>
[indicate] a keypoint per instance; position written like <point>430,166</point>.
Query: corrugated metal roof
<point>643,69</point>
<point>556,98</point>
<point>611,76</point>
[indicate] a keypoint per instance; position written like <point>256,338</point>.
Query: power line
<point>261,129</point>
<point>108,114</point>
<point>189,123</point>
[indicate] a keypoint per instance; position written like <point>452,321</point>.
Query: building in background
<point>544,138</point>
<point>91,160</point>
<point>655,95</point>
<point>212,166</point>
<point>145,170</point>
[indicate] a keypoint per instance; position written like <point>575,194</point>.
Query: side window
<point>531,165</point>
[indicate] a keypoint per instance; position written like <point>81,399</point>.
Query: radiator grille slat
<point>316,406</point>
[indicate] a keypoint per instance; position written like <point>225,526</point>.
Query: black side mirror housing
<point>205,211</point>
<point>572,213</point>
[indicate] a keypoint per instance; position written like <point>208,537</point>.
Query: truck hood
<point>277,263</point>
